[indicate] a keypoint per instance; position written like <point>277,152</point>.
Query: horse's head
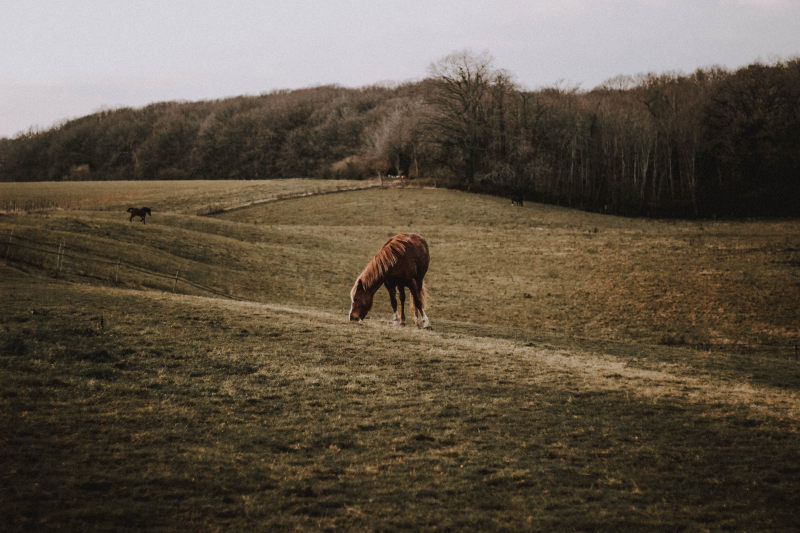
<point>130,210</point>
<point>361,301</point>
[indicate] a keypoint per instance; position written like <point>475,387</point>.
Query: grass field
<point>584,371</point>
<point>185,197</point>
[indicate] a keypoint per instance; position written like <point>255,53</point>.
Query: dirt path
<point>586,370</point>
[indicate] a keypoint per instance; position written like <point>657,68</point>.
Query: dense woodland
<point>711,143</point>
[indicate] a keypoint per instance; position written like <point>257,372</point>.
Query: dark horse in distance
<point>402,262</point>
<point>140,212</point>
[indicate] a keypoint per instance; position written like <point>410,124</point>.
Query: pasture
<point>583,371</point>
<point>186,197</point>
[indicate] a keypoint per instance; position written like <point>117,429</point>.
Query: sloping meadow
<point>542,269</point>
<point>143,409</point>
<point>584,372</point>
<point>532,271</point>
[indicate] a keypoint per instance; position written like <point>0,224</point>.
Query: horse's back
<point>414,262</point>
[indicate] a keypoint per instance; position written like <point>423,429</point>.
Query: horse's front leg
<point>402,304</point>
<point>393,299</point>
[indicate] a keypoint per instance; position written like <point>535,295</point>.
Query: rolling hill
<point>584,371</point>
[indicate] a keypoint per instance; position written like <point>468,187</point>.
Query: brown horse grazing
<point>139,212</point>
<point>402,262</point>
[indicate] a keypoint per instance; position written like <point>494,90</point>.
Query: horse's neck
<point>375,285</point>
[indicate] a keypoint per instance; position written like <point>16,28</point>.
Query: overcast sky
<point>63,59</point>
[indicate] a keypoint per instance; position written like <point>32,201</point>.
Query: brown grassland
<point>584,371</point>
<point>186,197</point>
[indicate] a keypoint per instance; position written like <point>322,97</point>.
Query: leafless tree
<point>460,108</point>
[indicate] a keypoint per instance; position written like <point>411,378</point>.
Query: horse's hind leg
<point>418,309</point>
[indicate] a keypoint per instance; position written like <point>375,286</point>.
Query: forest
<point>714,143</point>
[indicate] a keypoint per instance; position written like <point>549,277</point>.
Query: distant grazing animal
<point>401,262</point>
<point>516,200</point>
<point>139,212</point>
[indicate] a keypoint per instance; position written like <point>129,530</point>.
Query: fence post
<point>174,285</point>
<point>60,257</point>
<point>8,244</point>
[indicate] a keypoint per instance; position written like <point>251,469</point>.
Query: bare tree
<point>459,114</point>
<point>394,140</point>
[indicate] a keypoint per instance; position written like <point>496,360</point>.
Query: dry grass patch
<point>550,269</point>
<point>186,196</point>
<point>534,272</point>
<point>584,372</point>
<point>176,412</point>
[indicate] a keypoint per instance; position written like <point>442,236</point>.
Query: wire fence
<point>73,261</point>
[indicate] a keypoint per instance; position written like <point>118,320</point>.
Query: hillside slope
<point>531,272</point>
<point>584,371</point>
<point>146,409</point>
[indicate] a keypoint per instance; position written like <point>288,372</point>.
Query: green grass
<point>590,404</point>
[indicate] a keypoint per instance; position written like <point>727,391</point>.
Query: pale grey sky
<point>63,59</point>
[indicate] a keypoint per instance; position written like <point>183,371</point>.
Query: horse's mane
<point>384,260</point>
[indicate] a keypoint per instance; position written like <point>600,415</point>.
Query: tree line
<point>711,143</point>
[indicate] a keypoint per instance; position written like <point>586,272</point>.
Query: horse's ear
<point>360,285</point>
